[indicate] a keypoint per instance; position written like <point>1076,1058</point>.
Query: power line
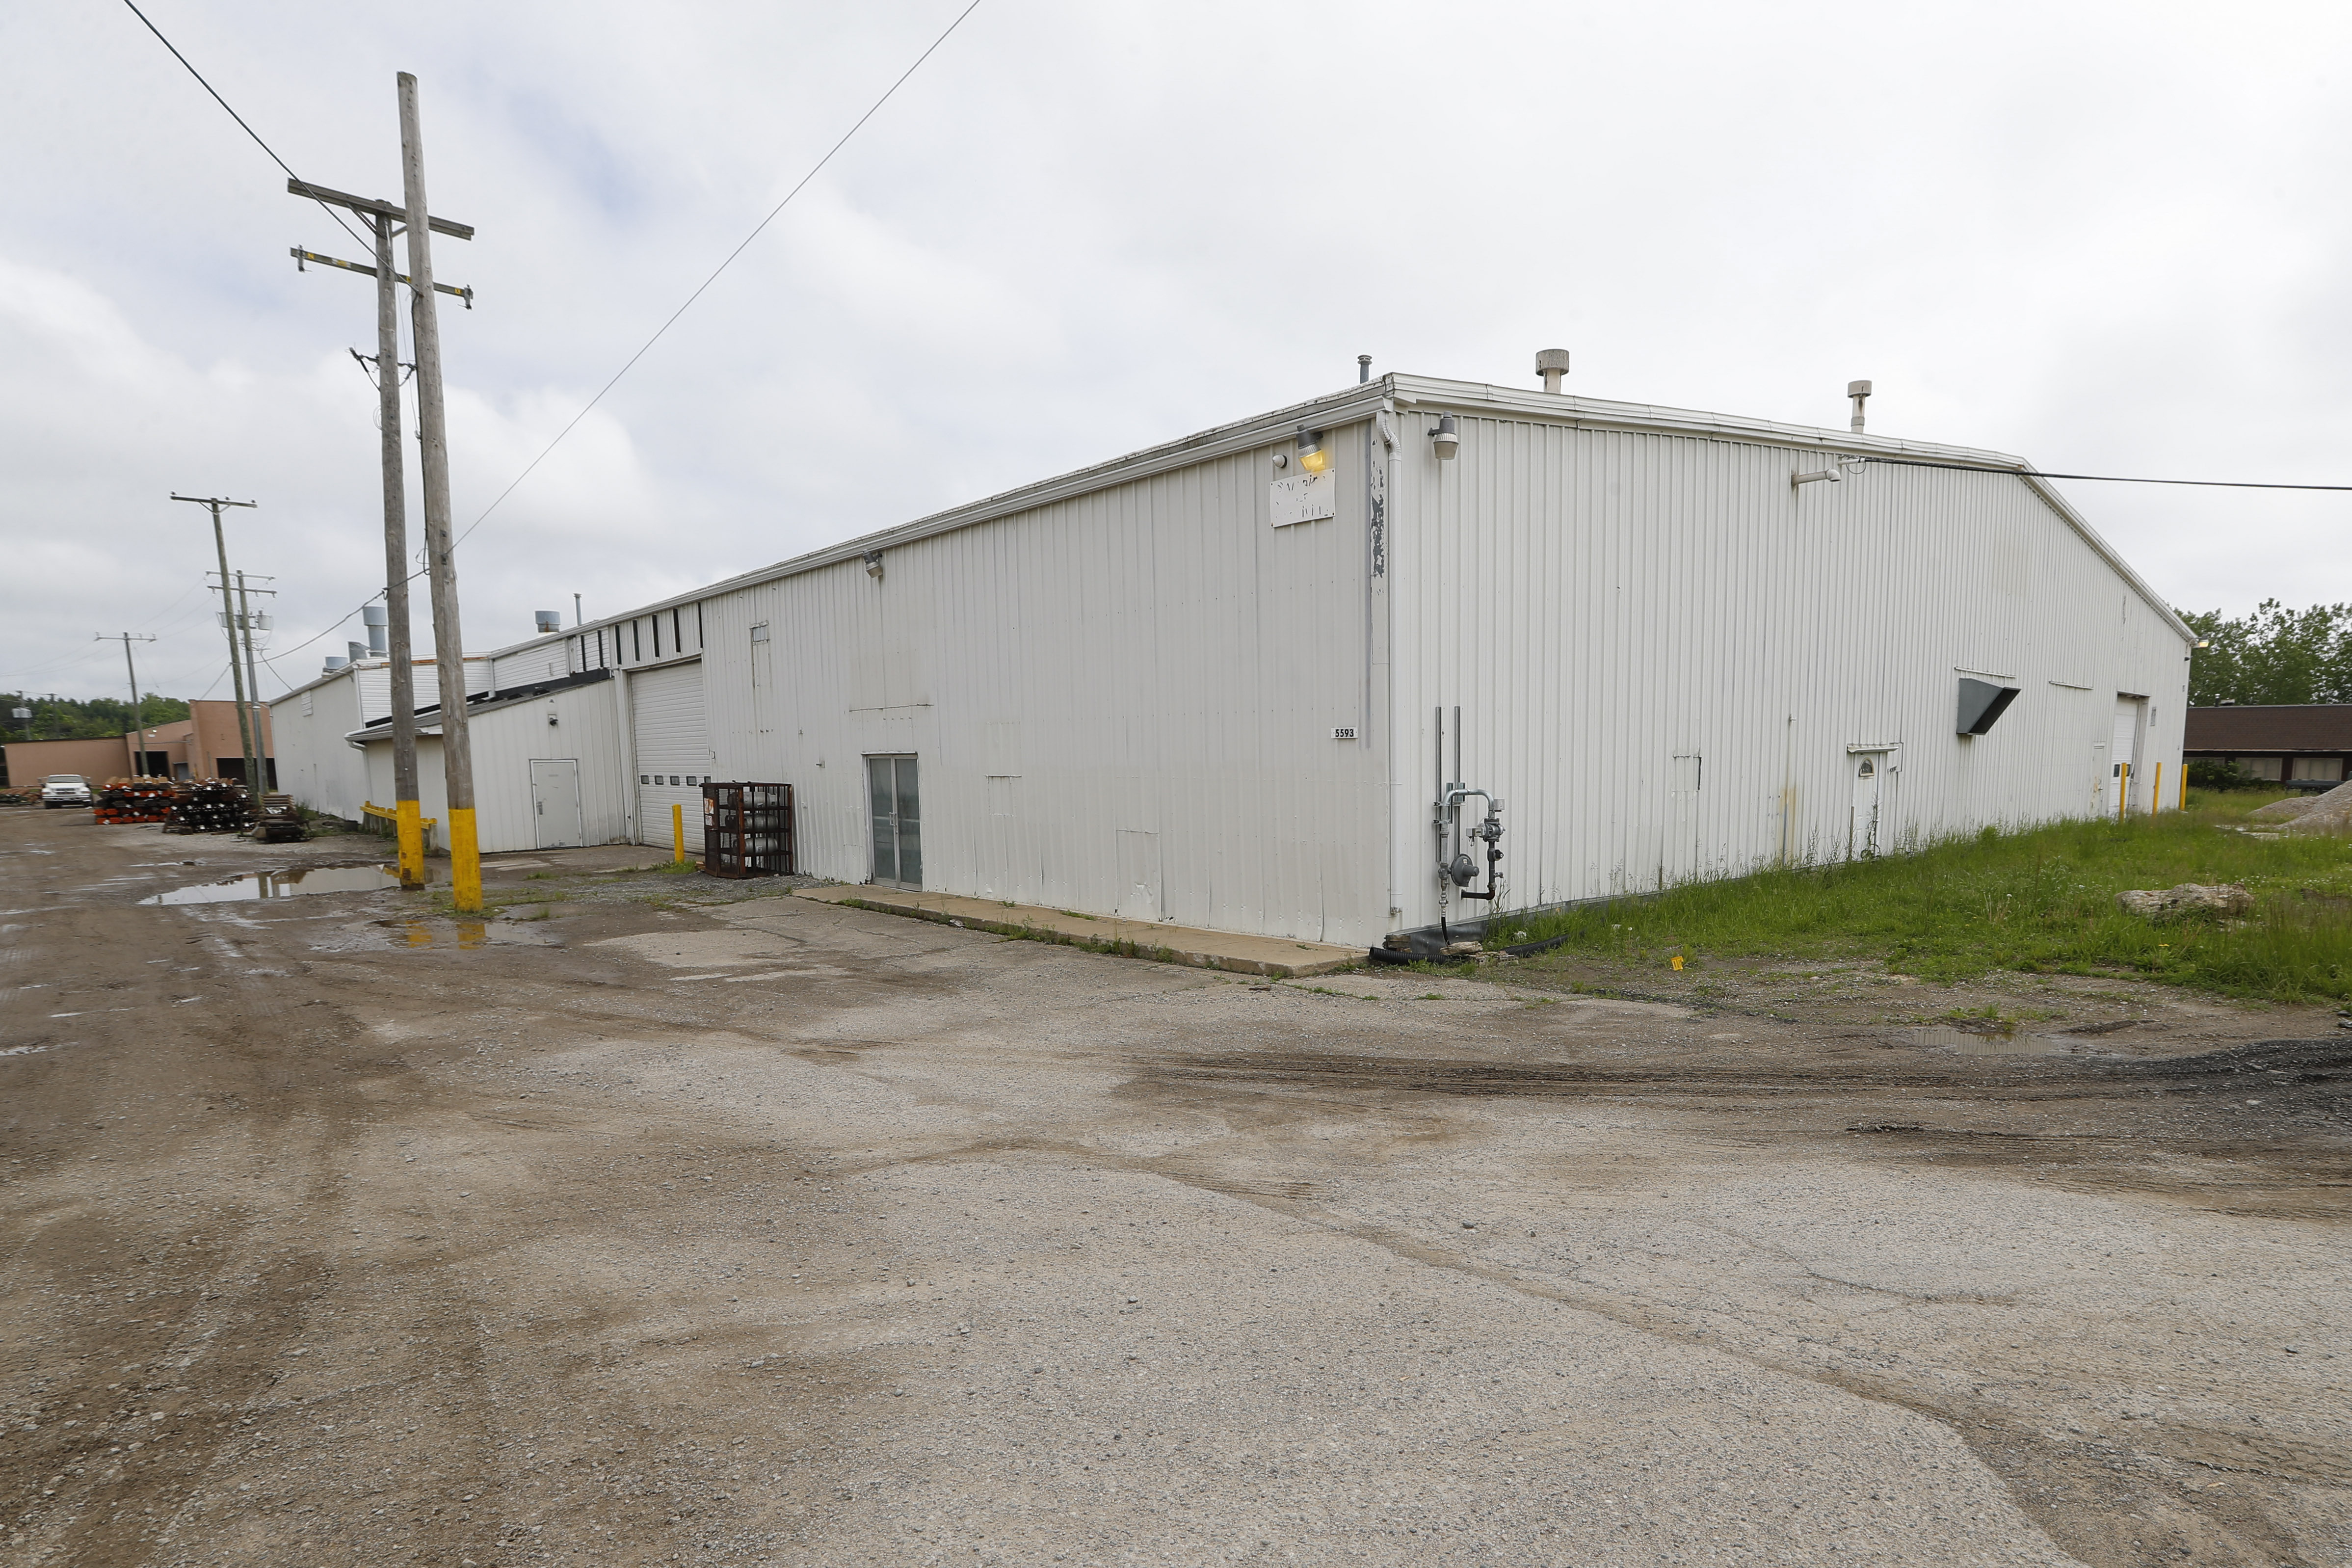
<point>2098,479</point>
<point>814,171</point>
<point>233,114</point>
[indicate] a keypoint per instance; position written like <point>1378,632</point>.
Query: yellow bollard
<point>464,862</point>
<point>2182,788</point>
<point>2156,796</point>
<point>677,832</point>
<point>2122,791</point>
<point>408,828</point>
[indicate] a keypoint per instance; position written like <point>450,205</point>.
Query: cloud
<point>1081,229</point>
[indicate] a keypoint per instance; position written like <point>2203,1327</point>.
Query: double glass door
<point>897,808</point>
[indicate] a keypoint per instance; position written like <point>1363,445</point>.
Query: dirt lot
<point>659,1231</point>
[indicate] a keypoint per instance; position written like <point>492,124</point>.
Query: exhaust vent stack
<point>548,620</point>
<point>1552,364</point>
<point>1860,392</point>
<point>376,619</point>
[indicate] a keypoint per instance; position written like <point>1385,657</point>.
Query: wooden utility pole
<point>408,810</point>
<point>253,685</point>
<point>228,620</point>
<point>138,715</point>
<point>440,547</point>
<point>408,813</point>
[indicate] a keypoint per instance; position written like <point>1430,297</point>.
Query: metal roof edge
<point>1349,406</point>
<point>1594,413</point>
<point>1330,411</point>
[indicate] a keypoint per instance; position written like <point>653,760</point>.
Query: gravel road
<point>755,1230</point>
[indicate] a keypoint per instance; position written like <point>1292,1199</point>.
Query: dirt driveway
<point>661,1231</point>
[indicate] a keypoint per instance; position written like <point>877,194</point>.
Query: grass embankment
<point>2038,900</point>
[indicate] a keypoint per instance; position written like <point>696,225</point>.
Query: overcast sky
<point>2113,238</point>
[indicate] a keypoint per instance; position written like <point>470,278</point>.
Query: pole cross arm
<point>374,209</point>
<point>302,256</point>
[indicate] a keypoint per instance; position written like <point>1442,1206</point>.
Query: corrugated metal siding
<point>375,685</point>
<point>1602,603</point>
<point>1144,676</point>
<point>505,742</point>
<point>315,764</point>
<point>672,741</point>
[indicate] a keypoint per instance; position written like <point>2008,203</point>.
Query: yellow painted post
<point>2156,796</point>
<point>408,824</point>
<point>677,832</point>
<point>2181,789</point>
<point>464,861</point>
<point>2123,792</point>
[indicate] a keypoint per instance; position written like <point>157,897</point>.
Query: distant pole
<point>408,812</point>
<point>228,620</point>
<point>576,611</point>
<point>258,770</point>
<point>440,547</point>
<point>138,719</point>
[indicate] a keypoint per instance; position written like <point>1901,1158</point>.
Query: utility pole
<point>408,814</point>
<point>253,685</point>
<point>440,548</point>
<point>138,715</point>
<point>228,620</point>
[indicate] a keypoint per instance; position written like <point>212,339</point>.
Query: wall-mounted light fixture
<point>1834,474</point>
<point>1447,439</point>
<point>1312,458</point>
<point>874,564</point>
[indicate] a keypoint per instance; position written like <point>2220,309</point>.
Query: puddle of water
<point>255,885</point>
<point>398,935</point>
<point>1944,1037</point>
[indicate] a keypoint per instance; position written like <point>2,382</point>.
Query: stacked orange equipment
<point>134,800</point>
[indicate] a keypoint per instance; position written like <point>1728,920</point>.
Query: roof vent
<point>333,664</point>
<point>1552,364</point>
<point>377,619</point>
<point>548,620</point>
<point>356,650</point>
<point>1860,392</point>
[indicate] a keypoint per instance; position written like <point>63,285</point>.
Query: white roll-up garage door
<point>674,754</point>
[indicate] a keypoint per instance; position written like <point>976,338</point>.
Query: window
<point>657,620</point>
<point>2260,767</point>
<point>645,778</point>
<point>636,641</point>
<point>2324,769</point>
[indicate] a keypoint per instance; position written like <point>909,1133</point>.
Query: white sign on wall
<point>1306,499</point>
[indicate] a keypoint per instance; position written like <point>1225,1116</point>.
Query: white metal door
<point>895,804</point>
<point>1863,838</point>
<point>1138,864</point>
<point>673,750</point>
<point>555,803</point>
<point>2126,750</point>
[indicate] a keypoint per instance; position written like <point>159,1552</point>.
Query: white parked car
<point>64,789</point>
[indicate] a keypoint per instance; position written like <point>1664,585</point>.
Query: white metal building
<point>1203,684</point>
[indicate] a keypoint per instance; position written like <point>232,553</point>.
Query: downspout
<point>1379,620</point>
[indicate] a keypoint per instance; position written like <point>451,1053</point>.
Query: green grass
<point>2038,900</point>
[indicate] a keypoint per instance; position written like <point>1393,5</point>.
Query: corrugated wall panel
<point>1138,685</point>
<point>1602,603</point>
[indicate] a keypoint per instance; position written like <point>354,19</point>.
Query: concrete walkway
<point>1280,957</point>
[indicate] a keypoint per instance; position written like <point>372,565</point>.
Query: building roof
<point>2273,727</point>
<point>1366,401</point>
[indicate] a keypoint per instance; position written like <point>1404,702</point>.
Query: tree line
<point>2273,656</point>
<point>97,719</point>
